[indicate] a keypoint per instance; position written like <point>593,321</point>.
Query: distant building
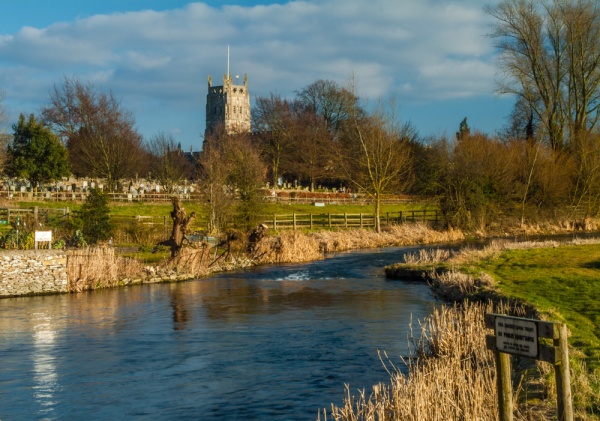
<point>228,106</point>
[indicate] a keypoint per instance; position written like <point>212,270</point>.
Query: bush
<point>95,217</point>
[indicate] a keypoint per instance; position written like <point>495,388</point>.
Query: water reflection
<point>272,343</point>
<point>45,376</point>
<point>180,313</point>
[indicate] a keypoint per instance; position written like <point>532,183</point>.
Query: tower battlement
<point>228,105</point>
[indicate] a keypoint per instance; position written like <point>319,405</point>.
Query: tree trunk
<point>181,223</point>
<point>377,213</point>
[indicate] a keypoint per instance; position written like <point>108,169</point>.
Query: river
<point>269,343</point>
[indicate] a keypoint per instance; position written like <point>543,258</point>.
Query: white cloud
<point>414,49</point>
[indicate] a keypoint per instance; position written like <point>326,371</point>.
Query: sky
<point>434,57</point>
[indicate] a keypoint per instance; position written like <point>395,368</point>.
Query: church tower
<point>228,106</point>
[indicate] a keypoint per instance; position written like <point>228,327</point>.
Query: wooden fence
<point>346,220</point>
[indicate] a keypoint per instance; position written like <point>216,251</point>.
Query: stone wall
<point>30,272</point>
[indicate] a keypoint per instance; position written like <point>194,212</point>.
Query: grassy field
<point>119,209</point>
<point>562,282</point>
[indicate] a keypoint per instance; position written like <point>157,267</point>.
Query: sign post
<point>519,336</point>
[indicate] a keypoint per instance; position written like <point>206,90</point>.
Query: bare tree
<point>169,164</point>
<point>273,121</point>
<point>310,156</point>
<point>99,133</point>
<point>231,175</point>
<point>550,58</point>
<point>375,155</point>
<point>213,173</point>
<point>331,102</point>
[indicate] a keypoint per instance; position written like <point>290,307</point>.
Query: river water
<point>270,343</point>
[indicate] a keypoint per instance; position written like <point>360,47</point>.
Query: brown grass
<point>394,235</point>
<point>98,267</point>
<point>451,375</point>
<point>453,286</point>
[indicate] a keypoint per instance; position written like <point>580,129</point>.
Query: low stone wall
<point>30,272</point>
<point>37,272</point>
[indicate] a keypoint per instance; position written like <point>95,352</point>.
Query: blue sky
<point>433,56</point>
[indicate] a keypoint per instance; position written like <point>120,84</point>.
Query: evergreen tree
<point>95,217</point>
<point>35,153</point>
<point>464,131</point>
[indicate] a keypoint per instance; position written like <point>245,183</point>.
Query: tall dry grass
<point>192,261</point>
<point>289,246</point>
<point>451,375</point>
<point>98,267</point>
<point>454,286</point>
<point>394,235</point>
<point>426,257</point>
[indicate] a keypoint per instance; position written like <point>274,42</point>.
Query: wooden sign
<point>516,336</point>
<point>519,336</point>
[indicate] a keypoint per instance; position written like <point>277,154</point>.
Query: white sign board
<point>43,236</point>
<point>516,336</point>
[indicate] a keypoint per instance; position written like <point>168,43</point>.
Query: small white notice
<point>42,236</point>
<point>516,336</point>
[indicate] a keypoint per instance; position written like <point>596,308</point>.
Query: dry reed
<point>289,247</point>
<point>394,235</point>
<point>426,257</point>
<point>98,267</point>
<point>192,261</point>
<point>451,375</point>
<point>454,286</point>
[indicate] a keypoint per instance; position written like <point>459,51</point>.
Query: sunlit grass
<point>562,282</point>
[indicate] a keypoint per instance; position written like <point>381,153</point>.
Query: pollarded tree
<point>99,133</point>
<point>36,153</point>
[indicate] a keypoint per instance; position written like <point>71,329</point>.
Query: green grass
<point>163,209</point>
<point>562,282</point>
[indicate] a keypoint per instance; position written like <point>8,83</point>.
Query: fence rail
<point>159,226</point>
<point>346,220</point>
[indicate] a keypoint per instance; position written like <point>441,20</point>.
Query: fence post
<point>361,220</point>
<point>35,215</point>
<point>503,378</point>
<point>345,220</point>
<point>311,221</point>
<point>274,221</point>
<point>294,219</point>
<point>563,377</point>
<point>329,214</point>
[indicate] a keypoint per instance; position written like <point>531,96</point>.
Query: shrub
<point>95,217</point>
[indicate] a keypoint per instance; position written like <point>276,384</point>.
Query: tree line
<point>545,164</point>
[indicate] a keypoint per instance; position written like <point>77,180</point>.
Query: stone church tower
<point>228,106</point>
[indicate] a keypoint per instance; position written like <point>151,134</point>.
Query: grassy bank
<point>553,281</point>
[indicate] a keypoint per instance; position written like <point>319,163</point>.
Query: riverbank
<point>102,267</point>
<point>550,280</point>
